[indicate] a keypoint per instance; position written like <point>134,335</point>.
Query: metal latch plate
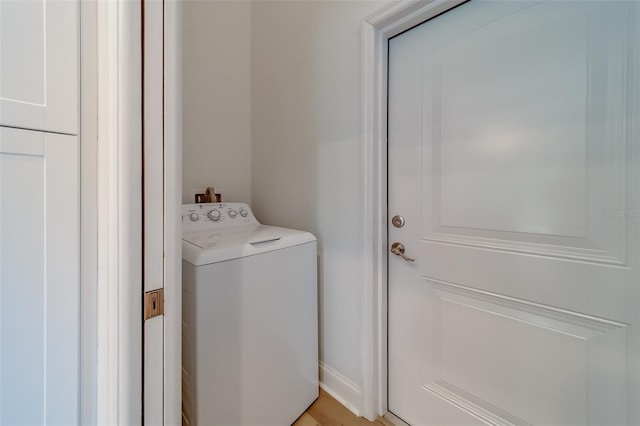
<point>153,303</point>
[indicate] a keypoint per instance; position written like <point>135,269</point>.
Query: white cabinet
<point>39,213</point>
<point>39,278</point>
<point>39,65</point>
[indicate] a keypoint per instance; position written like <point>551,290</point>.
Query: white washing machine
<point>250,319</point>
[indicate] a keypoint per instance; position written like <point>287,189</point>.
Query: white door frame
<point>378,28</point>
<point>119,163</point>
<point>173,212</point>
<point>112,262</point>
<point>88,210</point>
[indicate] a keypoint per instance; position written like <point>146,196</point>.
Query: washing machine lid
<point>211,246</point>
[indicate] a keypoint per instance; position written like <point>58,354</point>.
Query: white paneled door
<point>39,278</point>
<point>514,158</point>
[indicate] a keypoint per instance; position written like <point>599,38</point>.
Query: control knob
<point>214,215</point>
<point>232,213</point>
<point>194,216</point>
<point>243,213</point>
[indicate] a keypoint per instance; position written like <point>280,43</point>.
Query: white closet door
<point>39,284</point>
<point>39,65</point>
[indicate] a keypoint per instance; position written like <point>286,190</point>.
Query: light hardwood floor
<point>326,411</point>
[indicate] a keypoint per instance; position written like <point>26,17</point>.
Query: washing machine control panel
<point>198,217</point>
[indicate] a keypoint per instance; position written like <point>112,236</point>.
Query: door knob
<point>398,250</point>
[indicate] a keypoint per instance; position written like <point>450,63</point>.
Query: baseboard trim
<point>390,419</point>
<point>342,389</point>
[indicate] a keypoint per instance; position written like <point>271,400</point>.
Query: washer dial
<point>214,215</point>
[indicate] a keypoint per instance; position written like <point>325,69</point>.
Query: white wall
<point>306,153</point>
<point>217,98</point>
<point>272,113</point>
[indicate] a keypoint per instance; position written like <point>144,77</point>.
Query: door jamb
<point>88,210</point>
<point>377,29</point>
<point>173,213</point>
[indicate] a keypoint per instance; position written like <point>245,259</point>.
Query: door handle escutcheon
<point>398,250</point>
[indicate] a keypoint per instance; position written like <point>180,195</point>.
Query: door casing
<point>119,192</point>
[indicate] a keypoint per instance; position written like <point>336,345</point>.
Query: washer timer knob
<point>243,213</point>
<point>232,213</point>
<point>194,216</point>
<point>214,215</point>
